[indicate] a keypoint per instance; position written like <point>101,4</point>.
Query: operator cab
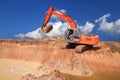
<point>73,35</point>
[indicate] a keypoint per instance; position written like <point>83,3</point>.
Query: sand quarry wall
<point>52,55</point>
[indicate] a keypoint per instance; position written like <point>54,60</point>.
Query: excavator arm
<point>58,14</point>
<point>47,17</point>
<point>73,35</point>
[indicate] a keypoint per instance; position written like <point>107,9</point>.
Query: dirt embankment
<point>50,54</point>
<point>103,57</point>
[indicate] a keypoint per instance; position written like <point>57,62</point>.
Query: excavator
<point>74,36</point>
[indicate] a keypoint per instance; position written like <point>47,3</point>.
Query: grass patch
<point>113,47</point>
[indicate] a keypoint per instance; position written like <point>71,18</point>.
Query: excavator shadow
<point>71,46</point>
<point>95,48</point>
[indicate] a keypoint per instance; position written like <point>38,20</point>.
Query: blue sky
<point>25,16</point>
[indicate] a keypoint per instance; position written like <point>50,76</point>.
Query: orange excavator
<point>74,35</point>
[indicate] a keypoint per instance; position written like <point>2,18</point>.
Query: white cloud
<point>20,36</point>
<point>35,34</point>
<point>59,28</point>
<point>31,35</point>
<point>108,27</point>
<point>87,28</point>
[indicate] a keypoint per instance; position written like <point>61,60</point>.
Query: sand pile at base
<point>54,75</point>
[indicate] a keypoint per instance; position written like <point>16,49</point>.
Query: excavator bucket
<point>47,29</point>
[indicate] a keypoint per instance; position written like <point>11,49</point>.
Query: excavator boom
<point>58,14</point>
<point>65,18</point>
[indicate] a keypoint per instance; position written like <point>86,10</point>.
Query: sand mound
<point>54,75</point>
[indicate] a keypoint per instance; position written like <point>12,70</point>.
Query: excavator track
<point>82,48</point>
